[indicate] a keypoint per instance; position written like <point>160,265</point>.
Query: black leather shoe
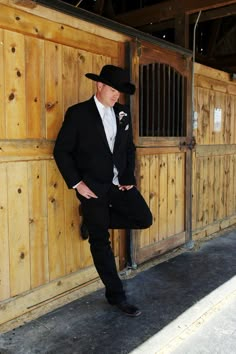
<point>128,309</point>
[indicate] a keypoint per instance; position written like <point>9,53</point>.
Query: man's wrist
<point>76,185</point>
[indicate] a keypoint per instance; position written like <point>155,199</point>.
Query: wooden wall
<point>214,159</point>
<point>42,67</point>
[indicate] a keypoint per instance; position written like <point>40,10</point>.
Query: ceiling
<point>175,20</point>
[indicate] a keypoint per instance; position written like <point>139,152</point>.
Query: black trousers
<point>115,210</point>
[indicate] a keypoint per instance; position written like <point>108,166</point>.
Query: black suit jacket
<point>82,152</point>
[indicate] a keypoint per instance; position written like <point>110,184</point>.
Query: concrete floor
<point>164,292</point>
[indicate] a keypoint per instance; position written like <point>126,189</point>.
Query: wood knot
<point>18,73</point>
<point>13,49</point>
<point>50,105</point>
<point>11,96</point>
<point>19,190</point>
<point>22,255</point>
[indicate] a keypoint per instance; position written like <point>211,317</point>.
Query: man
<point>95,154</point>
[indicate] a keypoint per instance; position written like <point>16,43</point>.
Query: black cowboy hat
<point>115,77</point>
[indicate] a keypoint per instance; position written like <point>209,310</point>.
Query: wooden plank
<point>160,247</point>
<point>194,191</point>
<point>168,10</point>
<point>38,215</point>
<point>199,188</point>
<point>222,184</point>
<point>56,32</point>
<point>171,189</point>
<point>215,150</point>
<point>211,199</point>
<point>230,118</point>
<point>14,59</point>
<point>23,150</point>
<point>233,122</point>
<point>203,130</point>
<point>204,70</point>
<point>49,293</point>
<point>213,228</point>
<point>53,89</point>
<point>71,59</point>
<point>217,188</point>
<point>72,237</point>
<point>2,86</point>
<point>56,222</point>
<point>227,189</point>
<point>144,177</point>
<point>205,192</point>
<point>156,149</point>
<point>4,231</point>
<point>34,48</point>
<point>86,87</point>
<point>180,193</point>
<point>231,191</point>
<point>163,220</point>
<point>234,173</point>
<point>18,219</point>
<point>154,197</point>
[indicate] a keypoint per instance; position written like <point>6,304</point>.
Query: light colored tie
<point>109,124</point>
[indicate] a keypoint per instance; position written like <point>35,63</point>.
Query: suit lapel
<point>118,133</point>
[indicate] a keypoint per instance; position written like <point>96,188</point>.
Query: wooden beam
<point>26,3</point>
<point>221,62</point>
<point>214,32</point>
<point>168,10</point>
<point>98,7</point>
<point>182,30</point>
<point>205,16</point>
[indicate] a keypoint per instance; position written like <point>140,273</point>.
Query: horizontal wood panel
<point>215,150</point>
<point>26,23</point>
<point>23,150</point>
<point>50,292</point>
<point>71,21</point>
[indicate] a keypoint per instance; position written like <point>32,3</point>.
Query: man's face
<point>107,95</point>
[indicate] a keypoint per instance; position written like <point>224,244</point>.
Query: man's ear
<point>99,85</point>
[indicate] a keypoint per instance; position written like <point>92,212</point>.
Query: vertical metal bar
<point>147,102</point>
<point>178,105</point>
<point>158,100</point>
<point>141,100</point>
<point>174,130</point>
<point>153,99</point>
<point>183,122</point>
<point>163,100</point>
<point>168,101</point>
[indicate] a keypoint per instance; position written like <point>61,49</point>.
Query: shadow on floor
<point>163,292</point>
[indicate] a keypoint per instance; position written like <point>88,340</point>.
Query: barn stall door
<point>163,138</point>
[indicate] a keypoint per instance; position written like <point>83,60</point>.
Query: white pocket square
<point>127,127</point>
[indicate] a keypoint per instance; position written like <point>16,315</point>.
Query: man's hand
<point>85,191</point>
<point>125,188</point>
